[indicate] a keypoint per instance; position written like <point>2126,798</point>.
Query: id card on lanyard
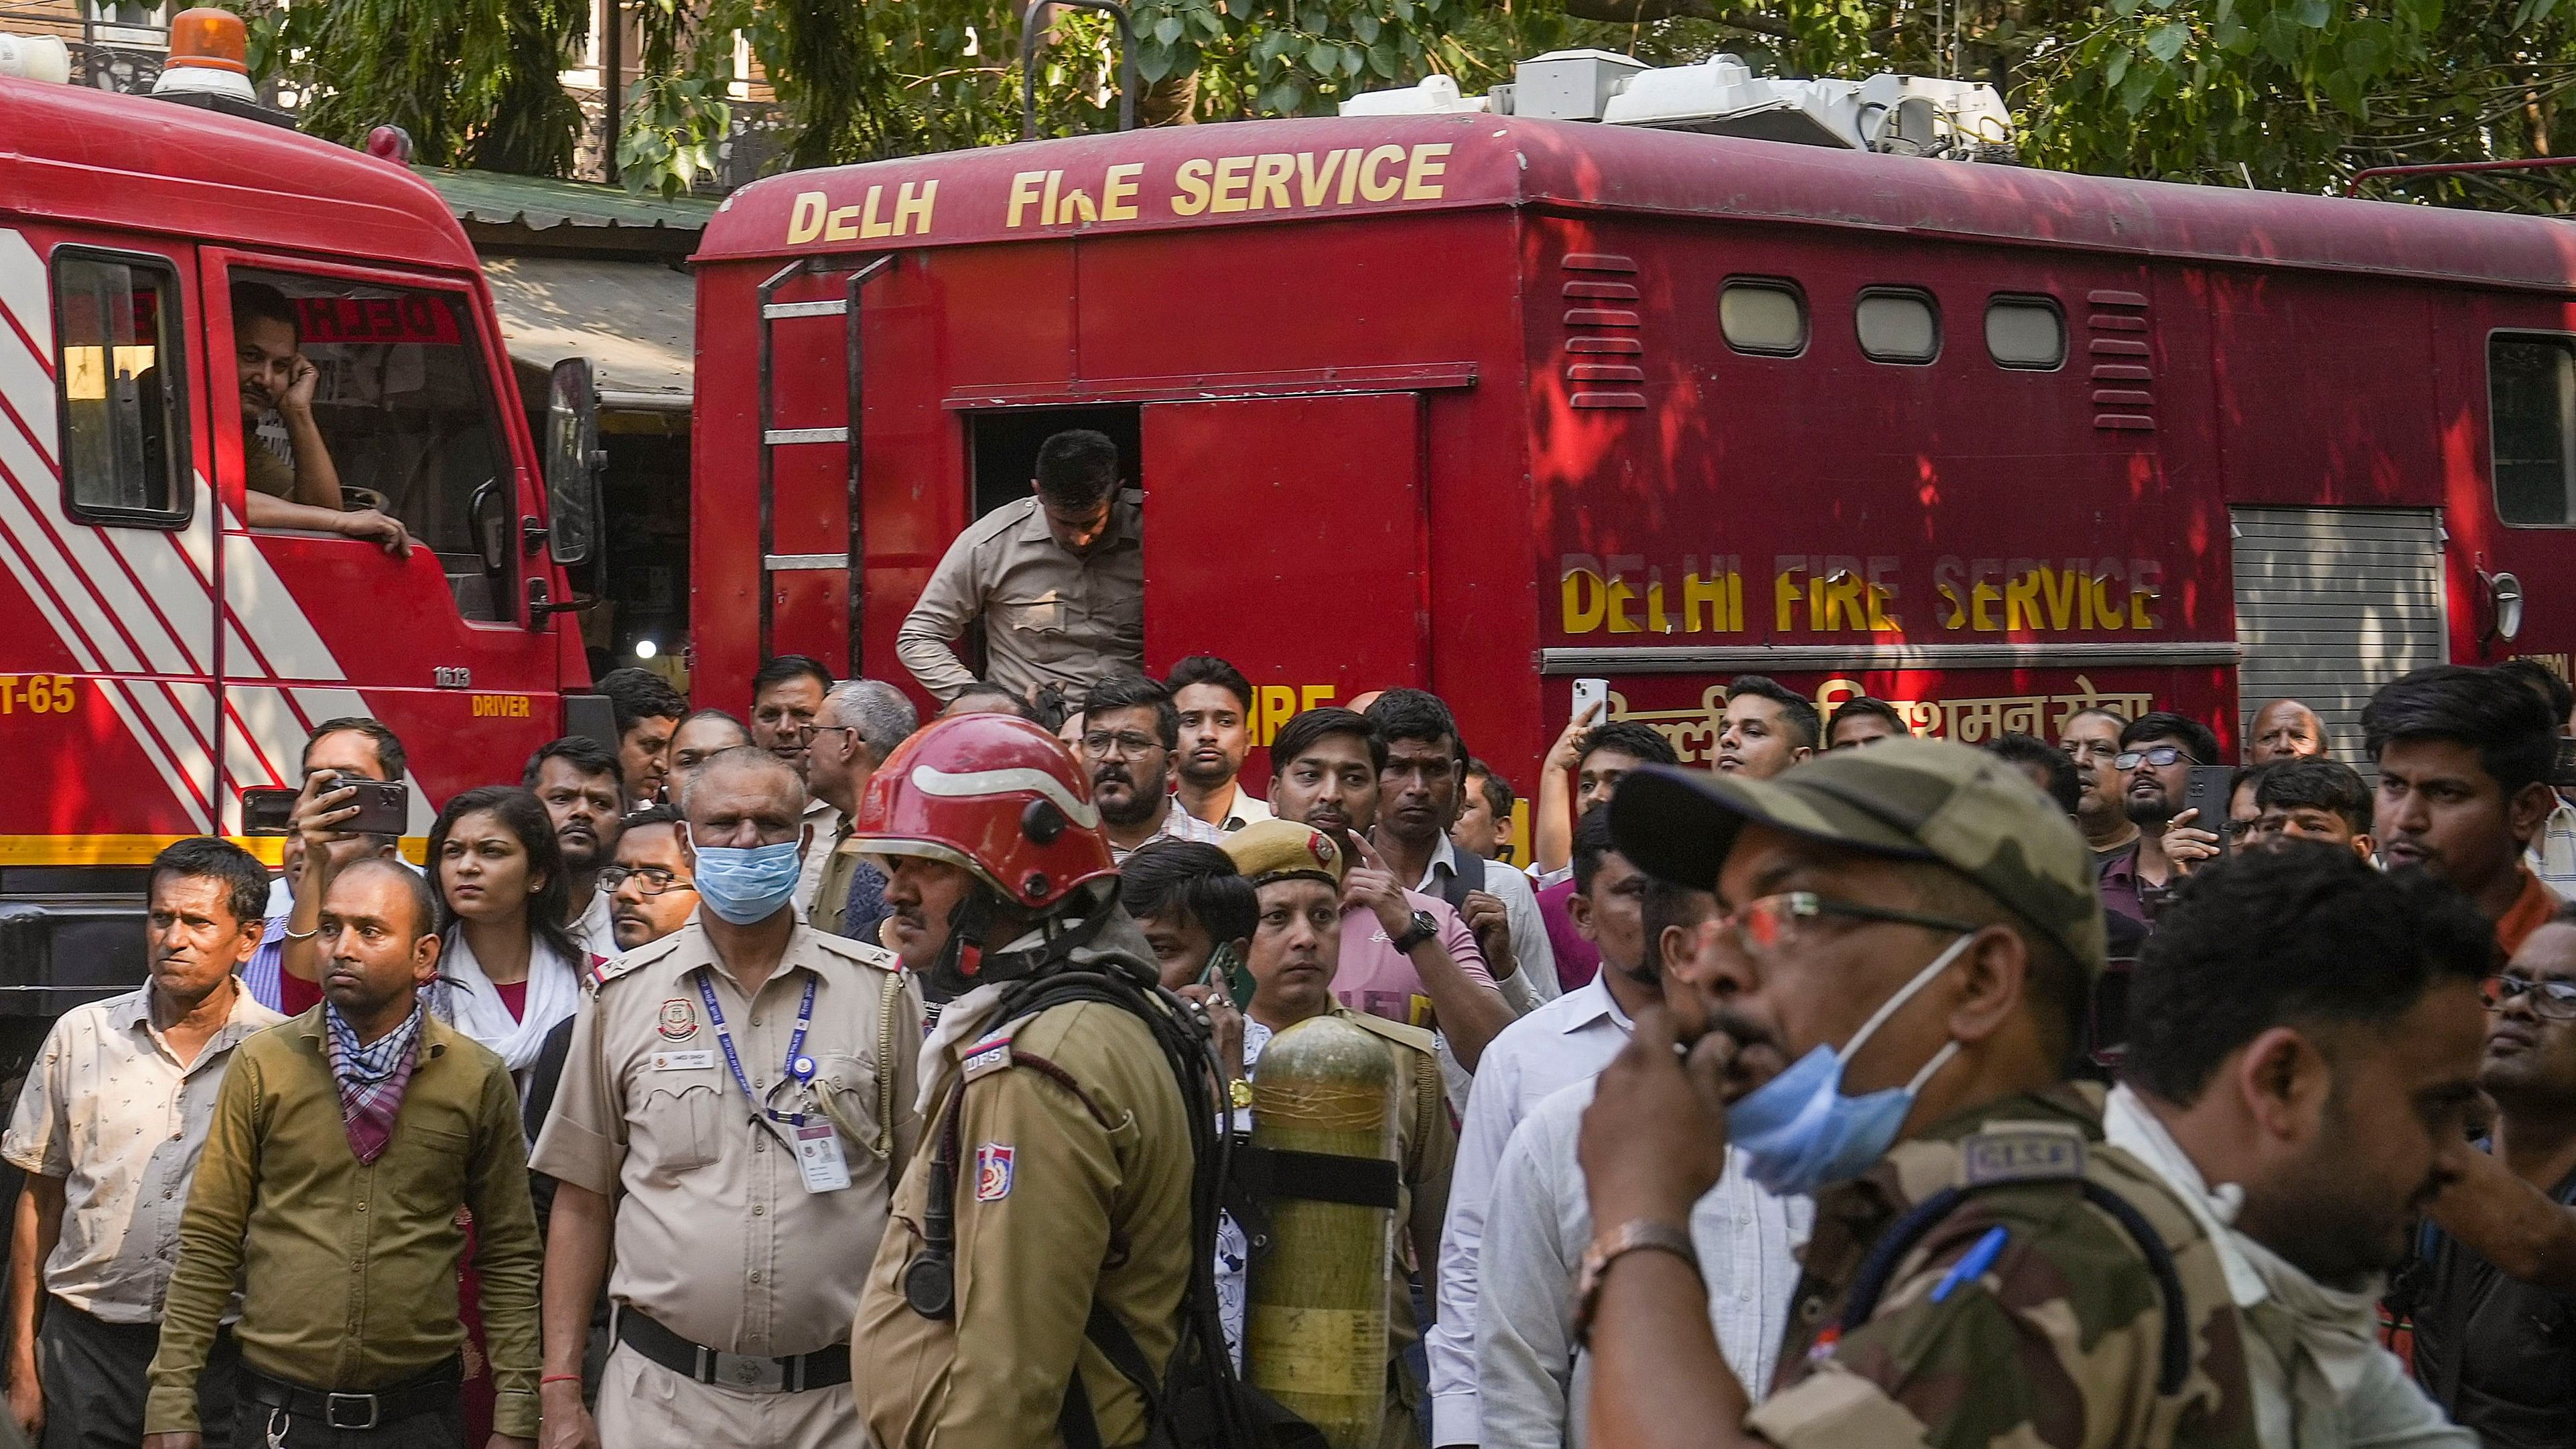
<point>817,1145</point>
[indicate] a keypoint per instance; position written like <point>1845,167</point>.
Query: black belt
<point>423,1393</point>
<point>793,1374</point>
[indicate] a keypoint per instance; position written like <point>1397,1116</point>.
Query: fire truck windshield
<point>388,379</point>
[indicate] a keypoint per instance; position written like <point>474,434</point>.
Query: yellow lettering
<point>1270,181</point>
<point>2060,590</point>
<point>1316,187</point>
<point>1024,190</point>
<point>1958,614</point>
<point>1370,186</point>
<point>1787,592</point>
<point>1076,206</point>
<point>2106,613</point>
<point>1981,594</point>
<point>2139,599</point>
<point>1585,601</point>
<point>912,217</point>
<point>2021,601</point>
<point>1350,173</point>
<point>1697,591</point>
<point>805,220</point>
<point>1046,203</point>
<point>1842,591</point>
<point>1278,702</point>
<point>1192,178</point>
<point>841,224</point>
<point>1881,621</point>
<point>870,225</point>
<point>1118,192</point>
<point>1232,175</point>
<point>1314,695</point>
<point>1734,602</point>
<point>1656,623</point>
<point>1620,594</point>
<point>1426,164</point>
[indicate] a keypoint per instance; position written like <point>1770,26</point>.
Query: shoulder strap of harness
<point>2174,1364</point>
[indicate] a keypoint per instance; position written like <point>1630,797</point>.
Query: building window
<point>1897,326</point>
<point>2531,407</point>
<point>1761,316</point>
<point>2025,332</point>
<point>118,366</point>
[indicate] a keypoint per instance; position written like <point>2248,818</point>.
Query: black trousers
<point>256,1426</point>
<point>94,1374</point>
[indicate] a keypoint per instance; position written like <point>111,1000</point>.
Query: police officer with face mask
<point>1880,1017</point>
<point>735,1109</point>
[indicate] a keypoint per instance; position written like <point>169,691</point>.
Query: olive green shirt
<point>349,1271</point>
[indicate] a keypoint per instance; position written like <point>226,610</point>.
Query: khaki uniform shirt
<point>2057,1345</point>
<point>1049,617</point>
<point>349,1269</point>
<point>840,856</point>
<point>829,827</point>
<point>1073,1184</point>
<point>114,1115</point>
<point>717,1238</point>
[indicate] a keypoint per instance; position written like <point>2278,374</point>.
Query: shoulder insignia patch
<point>993,1170</point>
<point>625,964</point>
<point>2021,1152</point>
<point>992,1054</point>
<point>864,952</point>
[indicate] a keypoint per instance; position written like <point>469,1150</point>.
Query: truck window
<point>2026,332</point>
<point>400,404</point>
<point>1763,316</point>
<point>1897,325</point>
<point>2531,406</point>
<point>118,357</point>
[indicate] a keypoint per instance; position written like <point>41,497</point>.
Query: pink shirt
<point>1376,978</point>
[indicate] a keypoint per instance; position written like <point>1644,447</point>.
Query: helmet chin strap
<point>961,961</point>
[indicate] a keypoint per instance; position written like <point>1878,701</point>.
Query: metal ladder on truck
<point>772,437</point>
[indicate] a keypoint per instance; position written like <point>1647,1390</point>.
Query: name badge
<point>698,1061</point>
<point>818,1153</point>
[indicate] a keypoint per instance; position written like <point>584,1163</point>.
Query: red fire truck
<point>157,655</point>
<point>1482,402</point>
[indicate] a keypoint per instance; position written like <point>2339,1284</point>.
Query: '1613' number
<point>37,693</point>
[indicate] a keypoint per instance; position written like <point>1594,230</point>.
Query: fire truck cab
<point>159,651</point>
<point>1485,402</point>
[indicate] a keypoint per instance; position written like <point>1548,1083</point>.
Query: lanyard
<point>798,1067</point>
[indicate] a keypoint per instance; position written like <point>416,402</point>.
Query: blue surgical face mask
<point>747,884</point>
<point>1799,1132</point>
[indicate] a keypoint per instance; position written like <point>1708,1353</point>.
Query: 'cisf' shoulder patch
<point>2021,1152</point>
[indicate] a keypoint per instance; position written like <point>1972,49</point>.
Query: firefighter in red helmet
<point>1037,1276</point>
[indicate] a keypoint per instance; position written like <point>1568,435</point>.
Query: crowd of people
<point>834,1077</point>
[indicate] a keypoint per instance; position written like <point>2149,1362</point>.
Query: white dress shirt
<point>2552,855</point>
<point>113,1114</point>
<point>596,932</point>
<point>1533,1382</point>
<point>1566,1041</point>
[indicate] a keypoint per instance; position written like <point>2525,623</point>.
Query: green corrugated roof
<point>540,202</point>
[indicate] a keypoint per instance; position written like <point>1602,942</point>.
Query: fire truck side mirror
<point>573,458</point>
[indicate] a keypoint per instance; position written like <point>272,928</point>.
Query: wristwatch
<point>1422,929</point>
<point>1635,1235</point>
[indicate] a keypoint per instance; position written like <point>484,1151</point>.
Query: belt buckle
<point>331,1410</point>
<point>757,1375</point>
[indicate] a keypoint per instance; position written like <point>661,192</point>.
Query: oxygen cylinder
<point>1315,1336</point>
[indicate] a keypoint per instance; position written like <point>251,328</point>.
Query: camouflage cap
<point>1912,799</point>
<point>1271,850</point>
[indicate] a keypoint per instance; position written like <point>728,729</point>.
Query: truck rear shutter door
<point>2331,603</point>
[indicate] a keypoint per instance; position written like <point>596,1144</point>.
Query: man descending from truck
<point>292,481</point>
<point>1057,579</point>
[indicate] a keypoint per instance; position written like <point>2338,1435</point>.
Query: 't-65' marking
<point>38,693</point>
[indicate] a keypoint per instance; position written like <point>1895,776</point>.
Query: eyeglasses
<point>2549,998</point>
<point>1758,928</point>
<point>805,733</point>
<point>2160,756</point>
<point>652,880</point>
<point>1129,746</point>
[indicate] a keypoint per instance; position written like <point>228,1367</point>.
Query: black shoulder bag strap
<point>1468,876</point>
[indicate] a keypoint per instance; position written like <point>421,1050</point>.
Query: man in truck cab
<point>1057,579</point>
<point>299,487</point>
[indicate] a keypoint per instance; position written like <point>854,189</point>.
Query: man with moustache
<point>348,1146</point>
<point>2157,751</point>
<point>108,1130</point>
<point>2091,738</point>
<point>2285,730</point>
<point>2495,1327</point>
<point>1907,934</point>
<point>1404,956</point>
<point>2464,759</point>
<point>1215,705</point>
<point>582,787</point>
<point>700,738</point>
<point>2302,1058</point>
<point>646,711</point>
<point>786,693</point>
<point>1129,730</point>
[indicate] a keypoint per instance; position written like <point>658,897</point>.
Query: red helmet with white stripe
<point>995,794</point>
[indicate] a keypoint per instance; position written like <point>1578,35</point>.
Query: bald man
<point>2285,730</point>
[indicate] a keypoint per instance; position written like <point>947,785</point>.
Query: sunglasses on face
<point>2549,998</point>
<point>2160,756</point>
